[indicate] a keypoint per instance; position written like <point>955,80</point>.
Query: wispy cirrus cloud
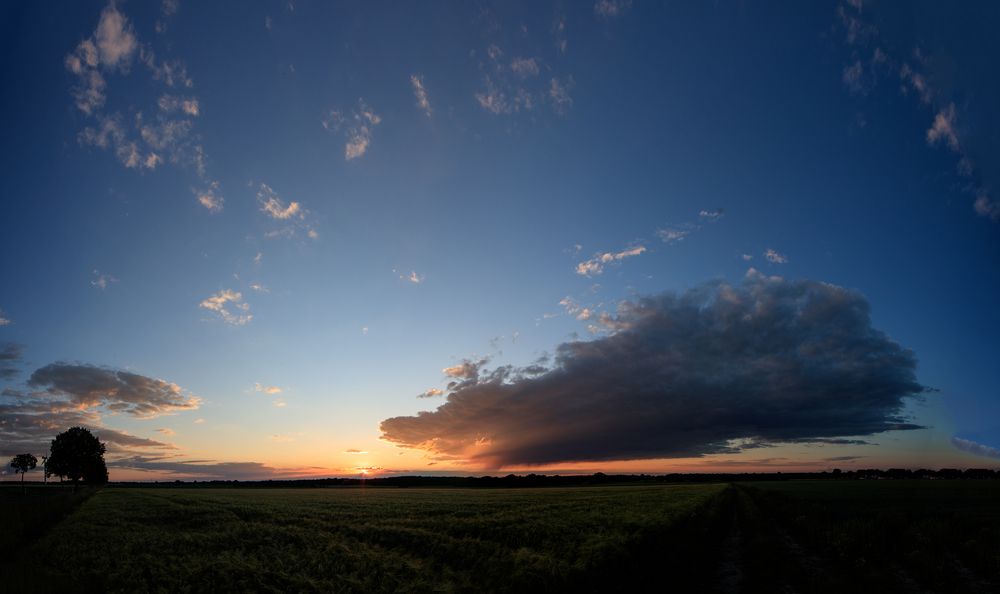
<point>229,306</point>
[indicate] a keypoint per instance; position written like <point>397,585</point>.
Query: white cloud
<point>559,94</point>
<point>209,197</point>
<point>775,257</point>
<point>358,132</point>
<point>229,305</point>
<point>975,448</point>
<point>198,421</point>
<point>279,403</point>
<point>712,215</point>
<point>115,39</point>
<point>260,288</point>
<point>943,128</point>
<point>595,265</point>
<point>672,235</point>
<point>747,257</point>
<point>172,103</point>
<point>270,390</point>
<point>272,204</point>
<point>524,67</point>
<point>413,277</point>
<point>430,393</point>
<point>101,281</point>
<point>986,207</point>
<point>420,93</point>
<point>611,8</point>
<point>4,320</point>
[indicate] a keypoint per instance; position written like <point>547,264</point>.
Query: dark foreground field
<point>794,536</point>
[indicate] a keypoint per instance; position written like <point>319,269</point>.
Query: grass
<point>938,536</point>
<point>778,536</point>
<point>376,540</point>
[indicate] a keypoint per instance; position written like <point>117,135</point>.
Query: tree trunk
<point>23,490</point>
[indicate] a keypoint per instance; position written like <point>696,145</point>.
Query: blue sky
<point>341,201</point>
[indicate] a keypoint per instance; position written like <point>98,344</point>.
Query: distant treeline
<point>541,480</point>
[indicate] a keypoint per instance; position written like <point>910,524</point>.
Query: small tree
<point>23,463</point>
<point>77,454</point>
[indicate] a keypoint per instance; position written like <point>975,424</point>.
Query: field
<point>788,536</point>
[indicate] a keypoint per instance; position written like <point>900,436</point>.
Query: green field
<point>380,540</point>
<point>788,536</point>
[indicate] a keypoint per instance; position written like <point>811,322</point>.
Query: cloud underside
<point>713,370</point>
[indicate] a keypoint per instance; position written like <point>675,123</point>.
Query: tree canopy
<point>77,454</point>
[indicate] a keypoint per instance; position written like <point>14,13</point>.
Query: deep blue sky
<point>858,142</point>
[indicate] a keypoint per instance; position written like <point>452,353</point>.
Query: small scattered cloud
<point>355,451</point>
<point>279,403</point>
<point>775,257</point>
<point>281,438</point>
<point>259,288</point>
<point>292,213</point>
<point>209,197</point>
<point>524,67</point>
<point>711,215</point>
<point>747,257</point>
<point>943,128</point>
<point>272,204</point>
<point>4,320</point>
<point>102,281</point>
<point>271,390</point>
<point>199,421</point>
<point>672,235</point>
<point>412,277</point>
<point>187,105</point>
<point>357,128</point>
<point>431,393</point>
<point>229,306</point>
<point>166,431</point>
<point>420,93</point>
<point>596,264</point>
<point>611,8</point>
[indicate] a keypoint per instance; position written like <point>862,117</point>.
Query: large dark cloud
<point>685,375</point>
<point>118,391</point>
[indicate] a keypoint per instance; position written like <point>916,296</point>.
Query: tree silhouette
<point>77,454</point>
<point>23,463</point>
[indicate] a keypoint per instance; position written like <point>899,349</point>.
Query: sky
<point>303,239</point>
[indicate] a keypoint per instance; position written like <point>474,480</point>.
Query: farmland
<point>804,536</point>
